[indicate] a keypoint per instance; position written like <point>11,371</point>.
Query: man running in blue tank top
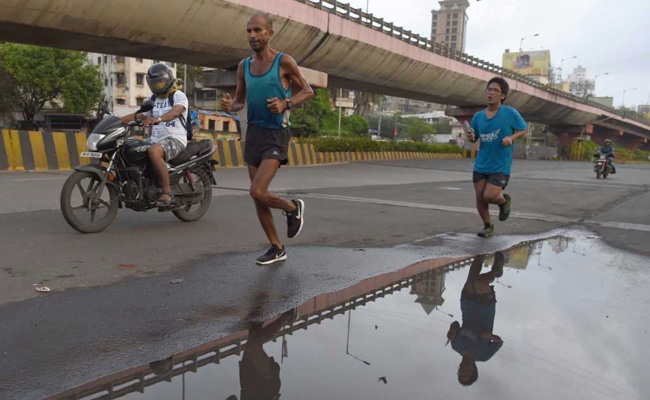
<point>264,85</point>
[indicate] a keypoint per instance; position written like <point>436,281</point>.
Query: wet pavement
<point>568,319</point>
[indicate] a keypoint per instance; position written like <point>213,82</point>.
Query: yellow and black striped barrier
<point>347,156</point>
<point>470,154</point>
<point>43,151</point>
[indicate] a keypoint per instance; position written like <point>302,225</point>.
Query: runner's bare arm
<point>240,93</point>
<point>305,91</point>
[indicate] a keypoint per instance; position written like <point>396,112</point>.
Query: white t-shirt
<point>174,128</point>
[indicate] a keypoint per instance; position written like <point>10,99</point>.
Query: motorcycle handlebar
<point>139,122</point>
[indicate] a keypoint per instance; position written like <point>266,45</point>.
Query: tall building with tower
<point>428,288</point>
<point>449,24</point>
<point>579,82</point>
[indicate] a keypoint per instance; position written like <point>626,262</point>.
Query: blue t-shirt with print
<point>493,157</point>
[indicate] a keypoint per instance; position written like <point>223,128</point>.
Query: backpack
<point>184,123</point>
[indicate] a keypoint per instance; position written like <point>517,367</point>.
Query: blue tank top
<point>260,88</point>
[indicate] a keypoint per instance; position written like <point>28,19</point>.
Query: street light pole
<point>339,101</point>
<point>521,42</point>
<point>624,91</point>
<point>596,78</point>
<point>562,62</point>
<point>185,78</point>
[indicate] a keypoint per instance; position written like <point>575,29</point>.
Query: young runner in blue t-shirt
<point>497,127</point>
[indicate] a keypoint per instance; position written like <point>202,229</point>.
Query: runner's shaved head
<point>264,16</point>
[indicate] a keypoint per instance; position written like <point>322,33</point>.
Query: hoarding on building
<point>528,62</point>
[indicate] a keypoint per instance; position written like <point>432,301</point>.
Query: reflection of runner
<point>259,373</point>
<point>474,340</point>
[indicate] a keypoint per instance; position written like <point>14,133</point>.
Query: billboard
<point>528,62</point>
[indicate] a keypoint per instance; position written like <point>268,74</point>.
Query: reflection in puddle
<point>572,323</point>
<point>474,339</point>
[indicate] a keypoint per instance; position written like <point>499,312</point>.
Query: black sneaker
<point>504,209</point>
<point>274,255</point>
<point>487,231</point>
<point>295,219</point>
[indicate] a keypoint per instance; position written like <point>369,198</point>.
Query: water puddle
<point>561,318</point>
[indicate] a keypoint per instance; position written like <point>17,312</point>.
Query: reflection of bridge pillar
<point>465,114</point>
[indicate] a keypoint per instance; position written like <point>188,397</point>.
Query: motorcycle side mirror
<point>146,106</point>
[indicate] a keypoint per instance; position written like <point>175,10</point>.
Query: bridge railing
<point>357,15</point>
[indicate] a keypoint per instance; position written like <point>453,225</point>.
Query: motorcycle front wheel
<point>83,207</point>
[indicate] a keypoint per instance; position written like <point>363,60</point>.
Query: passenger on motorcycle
<point>608,151</point>
<point>169,137</point>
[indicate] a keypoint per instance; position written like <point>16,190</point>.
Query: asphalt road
<point>111,298</point>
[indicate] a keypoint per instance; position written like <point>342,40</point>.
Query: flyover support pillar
<point>566,136</point>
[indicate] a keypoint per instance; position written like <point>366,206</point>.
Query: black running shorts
<point>497,179</point>
<point>266,144</point>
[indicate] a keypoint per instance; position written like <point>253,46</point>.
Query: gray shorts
<point>172,146</point>
<point>496,179</point>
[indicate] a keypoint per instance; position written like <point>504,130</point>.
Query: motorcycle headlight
<point>92,141</point>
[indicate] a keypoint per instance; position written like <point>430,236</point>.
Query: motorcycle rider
<point>608,151</point>
<point>169,137</point>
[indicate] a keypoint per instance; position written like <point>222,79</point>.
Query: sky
<point>607,36</point>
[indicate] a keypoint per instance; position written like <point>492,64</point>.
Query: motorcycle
<point>120,175</point>
<point>602,166</point>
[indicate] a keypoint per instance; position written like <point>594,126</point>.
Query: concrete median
<point>52,151</point>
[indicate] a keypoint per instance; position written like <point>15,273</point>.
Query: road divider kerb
<point>52,151</point>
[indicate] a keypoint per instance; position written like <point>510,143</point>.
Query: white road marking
<point>467,210</point>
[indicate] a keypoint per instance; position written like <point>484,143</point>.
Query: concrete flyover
<point>356,50</point>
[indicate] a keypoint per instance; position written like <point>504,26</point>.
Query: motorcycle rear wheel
<point>187,213</point>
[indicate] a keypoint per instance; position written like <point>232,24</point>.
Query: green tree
<point>194,76</point>
<point>7,95</point>
<point>363,101</point>
<point>310,117</point>
<point>355,124</point>
<point>41,75</point>
<point>415,129</point>
<point>444,125</point>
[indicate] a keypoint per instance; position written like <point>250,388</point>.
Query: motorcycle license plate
<point>90,154</point>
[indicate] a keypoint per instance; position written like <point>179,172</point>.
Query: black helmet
<point>160,78</point>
